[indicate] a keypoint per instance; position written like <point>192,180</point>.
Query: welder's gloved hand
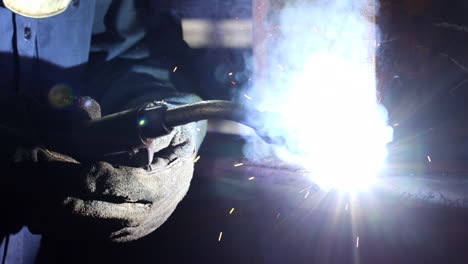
<point>96,200</point>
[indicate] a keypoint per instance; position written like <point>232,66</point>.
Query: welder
<point>63,62</point>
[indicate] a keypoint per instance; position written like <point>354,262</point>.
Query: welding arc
<point>222,110</point>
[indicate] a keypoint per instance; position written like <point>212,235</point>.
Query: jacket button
<point>27,33</point>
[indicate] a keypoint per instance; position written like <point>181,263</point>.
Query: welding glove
<point>57,195</point>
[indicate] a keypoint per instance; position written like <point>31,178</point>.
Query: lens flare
<point>325,92</point>
<point>60,96</point>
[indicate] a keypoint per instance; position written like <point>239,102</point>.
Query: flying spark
<point>220,236</point>
<point>251,178</point>
<point>233,82</point>
<point>230,74</point>
<point>248,97</point>
<point>196,159</point>
<point>307,195</point>
<point>278,215</point>
<point>175,69</point>
<point>429,158</point>
<point>357,241</point>
<point>232,211</point>
<point>238,164</point>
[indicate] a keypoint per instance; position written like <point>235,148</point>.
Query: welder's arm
<point>145,59</point>
<point>94,199</point>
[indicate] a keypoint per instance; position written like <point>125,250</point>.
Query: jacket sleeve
<point>138,55</point>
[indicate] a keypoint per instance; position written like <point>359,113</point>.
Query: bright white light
<point>325,90</point>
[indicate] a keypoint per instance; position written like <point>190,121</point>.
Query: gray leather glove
<point>57,195</point>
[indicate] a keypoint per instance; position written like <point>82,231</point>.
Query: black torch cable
<point>185,114</point>
<point>228,110</point>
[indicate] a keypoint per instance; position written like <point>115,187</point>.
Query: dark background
<point>422,62</point>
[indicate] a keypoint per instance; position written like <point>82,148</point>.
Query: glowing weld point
<point>238,164</point>
<point>357,241</point>
<point>248,97</point>
<point>232,210</point>
<point>429,158</point>
<point>251,178</point>
<point>220,236</point>
<point>142,122</point>
<point>230,74</point>
<point>175,69</point>
<point>196,159</point>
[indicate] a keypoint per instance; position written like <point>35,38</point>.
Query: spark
<point>305,189</point>
<point>396,124</point>
<point>307,194</point>
<point>278,215</point>
<point>233,82</point>
<point>232,211</point>
<point>175,69</point>
<point>230,74</point>
<point>196,159</point>
<point>248,97</point>
<point>220,236</point>
<point>238,164</point>
<point>198,129</point>
<point>142,122</point>
<point>251,178</point>
<point>429,158</point>
<point>357,241</point>
<point>346,208</point>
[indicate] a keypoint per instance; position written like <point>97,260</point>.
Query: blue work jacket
<point>119,52</point>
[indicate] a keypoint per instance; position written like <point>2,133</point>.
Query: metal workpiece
<point>447,191</point>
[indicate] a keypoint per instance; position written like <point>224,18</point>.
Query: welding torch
<point>130,131</point>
